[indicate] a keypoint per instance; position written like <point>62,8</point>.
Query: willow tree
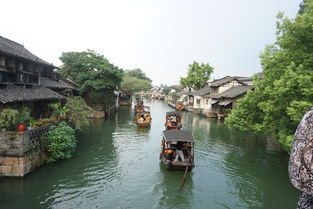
<point>285,93</point>
<point>197,76</point>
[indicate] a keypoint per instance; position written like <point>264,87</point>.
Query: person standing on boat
<point>179,152</point>
<point>301,161</point>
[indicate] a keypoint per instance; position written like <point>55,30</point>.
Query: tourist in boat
<point>141,119</point>
<point>300,162</point>
<point>179,152</point>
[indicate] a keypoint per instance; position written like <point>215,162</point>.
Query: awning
<point>213,101</point>
<point>178,135</point>
<point>225,102</point>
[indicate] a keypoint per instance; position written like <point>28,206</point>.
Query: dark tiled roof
<point>178,135</point>
<point>232,92</point>
<point>243,79</point>
<point>17,50</point>
<point>49,83</point>
<point>173,113</point>
<point>219,82</point>
<point>205,90</point>
<point>14,94</point>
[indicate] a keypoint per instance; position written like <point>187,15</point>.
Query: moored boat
<point>177,150</point>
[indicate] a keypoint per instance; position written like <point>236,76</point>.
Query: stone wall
<point>18,144</point>
<point>20,166</point>
<point>22,152</point>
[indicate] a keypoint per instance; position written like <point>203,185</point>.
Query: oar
<point>184,179</point>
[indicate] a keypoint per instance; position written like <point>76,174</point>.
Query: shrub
<point>77,112</point>
<point>61,142</point>
<point>8,118</point>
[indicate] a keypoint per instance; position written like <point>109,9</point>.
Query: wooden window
<point>3,76</point>
<point>29,68</point>
<point>36,69</point>
<point>2,62</point>
<point>207,101</point>
<point>11,66</point>
<point>198,101</point>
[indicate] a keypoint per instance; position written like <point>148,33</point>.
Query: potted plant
<point>23,118</point>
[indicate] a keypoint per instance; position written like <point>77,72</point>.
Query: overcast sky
<point>161,37</point>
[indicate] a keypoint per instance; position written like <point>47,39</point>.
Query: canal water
<point>117,165</point>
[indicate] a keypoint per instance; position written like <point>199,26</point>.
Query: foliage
<point>23,116</point>
<point>57,110</point>
<point>281,98</point>
<point>100,100</point>
<point>137,73</point>
<point>92,71</point>
<point>61,142</point>
<point>197,76</point>
<point>77,112</point>
<point>8,118</point>
<point>302,7</point>
<point>134,84</point>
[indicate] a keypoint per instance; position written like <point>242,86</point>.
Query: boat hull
<point>172,165</point>
<point>143,124</point>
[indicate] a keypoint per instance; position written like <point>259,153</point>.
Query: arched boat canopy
<point>178,135</point>
<point>172,113</point>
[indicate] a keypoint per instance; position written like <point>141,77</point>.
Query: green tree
<point>137,73</point>
<point>285,93</point>
<point>95,76</point>
<point>92,71</point>
<point>197,76</point>
<point>134,84</point>
<point>302,7</point>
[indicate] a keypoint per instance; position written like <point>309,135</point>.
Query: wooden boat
<point>179,106</point>
<point>173,121</point>
<point>143,119</point>
<point>175,141</point>
<point>139,107</point>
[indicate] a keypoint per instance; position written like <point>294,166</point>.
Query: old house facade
<point>25,80</point>
<point>219,96</point>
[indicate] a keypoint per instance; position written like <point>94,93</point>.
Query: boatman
<point>179,152</point>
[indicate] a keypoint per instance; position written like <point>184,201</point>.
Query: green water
<point>117,165</point>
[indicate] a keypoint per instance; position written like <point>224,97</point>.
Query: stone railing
<point>18,144</point>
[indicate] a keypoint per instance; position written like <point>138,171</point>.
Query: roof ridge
<point>14,42</point>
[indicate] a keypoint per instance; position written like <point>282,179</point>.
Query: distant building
<point>220,95</point>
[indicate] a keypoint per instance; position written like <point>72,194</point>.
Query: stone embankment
<point>20,153</point>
